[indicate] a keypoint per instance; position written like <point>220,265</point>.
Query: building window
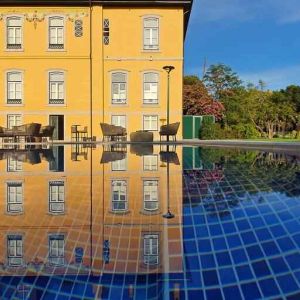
<point>119,195</point>
<point>14,120</point>
<point>150,122</point>
<point>119,165</point>
<point>151,249</point>
<point>56,33</point>
<point>56,197</point>
<point>106,31</point>
<point>150,195</point>
<point>14,33</point>
<point>56,88</point>
<point>150,88</point>
<point>56,249</point>
<point>78,28</point>
<point>119,88</point>
<point>14,197</point>
<point>15,250</point>
<point>14,87</point>
<point>151,33</point>
<point>13,165</point>
<point>150,162</point>
<point>118,120</point>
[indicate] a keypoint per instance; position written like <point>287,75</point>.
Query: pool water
<point>149,222</point>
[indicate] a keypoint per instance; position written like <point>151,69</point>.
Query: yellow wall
<point>124,52</point>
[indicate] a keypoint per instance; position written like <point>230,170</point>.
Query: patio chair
<point>169,130</point>
<point>46,132</point>
<point>27,130</point>
<point>110,132</point>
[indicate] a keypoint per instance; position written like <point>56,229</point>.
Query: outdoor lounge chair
<point>27,130</point>
<point>141,136</point>
<point>169,130</point>
<point>46,132</point>
<point>112,132</point>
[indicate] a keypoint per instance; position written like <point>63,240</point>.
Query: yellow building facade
<point>75,64</point>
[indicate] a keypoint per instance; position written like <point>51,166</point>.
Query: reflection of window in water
<point>56,249</point>
<point>119,195</point>
<point>15,250</point>
<point>151,249</point>
<point>57,165</point>
<point>13,165</point>
<point>56,196</point>
<point>119,165</point>
<point>150,162</point>
<point>150,195</point>
<point>14,197</point>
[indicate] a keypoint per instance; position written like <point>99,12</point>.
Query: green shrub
<point>245,131</point>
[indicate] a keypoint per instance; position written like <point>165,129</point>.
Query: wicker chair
<point>27,130</point>
<point>46,132</point>
<point>169,130</point>
<point>112,132</point>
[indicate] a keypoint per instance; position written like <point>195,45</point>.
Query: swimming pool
<point>149,222</point>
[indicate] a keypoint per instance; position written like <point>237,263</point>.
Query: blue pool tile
<point>227,275</point>
<point>251,211</point>
<point>219,243</point>
<point>234,241</point>
<point>251,291</point>
<point>261,268</point>
<point>244,272</point>
<point>271,219</point>
<point>293,261</point>
<point>223,259</point>
<point>278,265</point>
<point>243,225</point>
<point>239,256</point>
<point>287,283</point>
<point>295,296</point>
<point>270,248</point>
<point>192,262</point>
<point>229,227</point>
<point>210,278</point>
<point>215,229</point>
<point>248,237</point>
<point>196,294</point>
<point>278,230</point>
<point>296,238</point>
<point>190,246</point>
<point>232,293</point>
<point>269,287</point>
<point>201,231</point>
<point>254,252</point>
<point>207,261</point>
<point>285,216</point>
<point>263,234</point>
<point>204,245</point>
<point>257,222</point>
<point>215,294</point>
<point>285,244</point>
<point>292,226</point>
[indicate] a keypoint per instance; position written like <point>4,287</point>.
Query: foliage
<point>197,101</point>
<point>191,80</point>
<point>220,79</point>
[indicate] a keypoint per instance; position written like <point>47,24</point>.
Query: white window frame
<point>119,165</point>
<point>119,121</point>
<point>15,121</point>
<point>152,166</point>
<point>150,83</point>
<point>151,253</point>
<point>151,29</point>
<point>123,191</point>
<point>15,253</point>
<point>56,46</point>
<point>14,46</point>
<point>56,189</point>
<point>120,99</point>
<point>56,84</point>
<point>17,83</point>
<point>14,165</point>
<point>150,191</point>
<point>14,197</point>
<point>150,127</point>
<point>56,255</point>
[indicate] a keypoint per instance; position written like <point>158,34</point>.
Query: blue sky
<point>259,39</point>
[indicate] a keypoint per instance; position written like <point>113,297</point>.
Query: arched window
<point>151,33</point>
<point>150,88</point>
<point>56,33</point>
<point>13,33</point>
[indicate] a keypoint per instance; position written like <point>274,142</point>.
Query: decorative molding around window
<point>14,87</point>
<point>119,195</point>
<point>56,87</point>
<point>56,197</point>
<point>78,28</point>
<point>150,88</point>
<point>106,31</point>
<point>151,33</point>
<point>14,200</point>
<point>56,33</point>
<point>151,249</point>
<point>150,195</point>
<point>119,88</point>
<point>14,33</point>
<point>15,250</point>
<point>150,122</point>
<point>56,249</point>
<point>150,162</point>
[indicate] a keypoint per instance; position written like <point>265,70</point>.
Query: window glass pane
<point>14,76</point>
<point>151,22</point>
<point>56,76</point>
<point>14,22</point>
<point>118,77</point>
<point>56,21</point>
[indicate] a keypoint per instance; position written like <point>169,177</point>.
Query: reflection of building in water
<point>57,219</point>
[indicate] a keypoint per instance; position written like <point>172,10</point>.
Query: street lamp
<point>168,69</point>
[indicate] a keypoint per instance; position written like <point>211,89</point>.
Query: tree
<point>191,80</point>
<point>197,101</point>
<point>219,79</point>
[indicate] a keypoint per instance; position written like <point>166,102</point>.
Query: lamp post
<point>168,69</point>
